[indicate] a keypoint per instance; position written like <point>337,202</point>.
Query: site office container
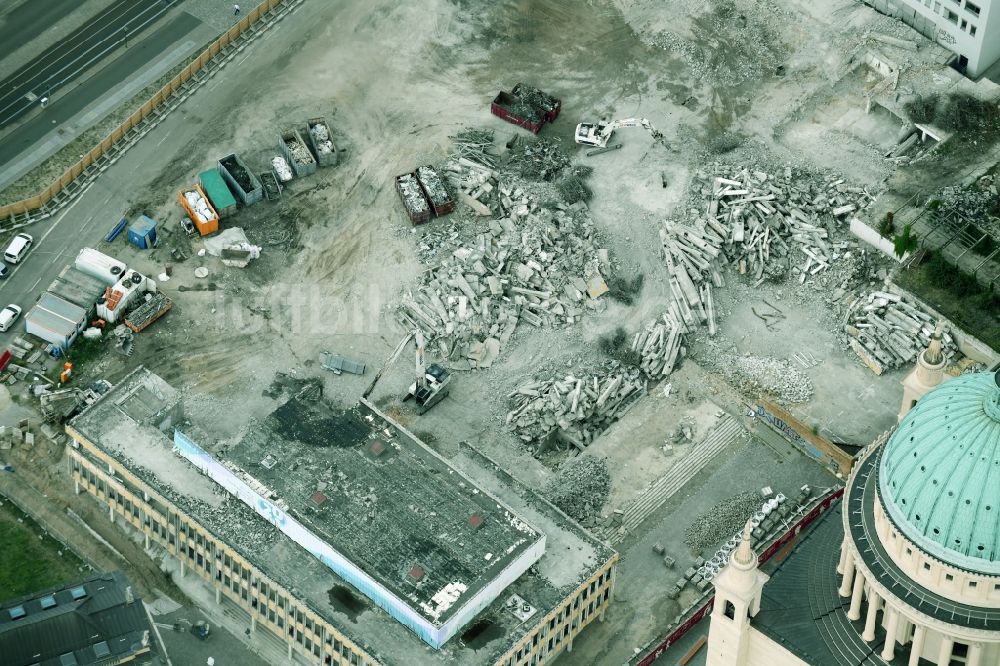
<point>99,265</point>
<point>219,196</point>
<point>413,198</point>
<point>433,187</point>
<point>324,159</point>
<point>204,227</point>
<point>256,192</point>
<point>300,169</point>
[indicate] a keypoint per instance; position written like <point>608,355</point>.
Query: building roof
<point>801,609</point>
<point>132,423</point>
<point>939,476</point>
<point>89,622</point>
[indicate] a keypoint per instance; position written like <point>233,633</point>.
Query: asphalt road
<point>30,19</point>
<point>71,57</point>
<point>131,60</point>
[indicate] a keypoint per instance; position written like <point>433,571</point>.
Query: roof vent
<point>48,602</point>
<point>416,573</point>
<point>78,592</point>
<point>17,612</point>
<point>476,521</point>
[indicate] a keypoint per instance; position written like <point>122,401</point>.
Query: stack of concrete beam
<point>536,266</point>
<point>660,345</point>
<point>763,223</point>
<point>573,410</point>
<point>888,331</point>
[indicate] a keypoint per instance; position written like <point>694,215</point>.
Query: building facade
<point>919,553</point>
<point>969,28</point>
<point>274,599</point>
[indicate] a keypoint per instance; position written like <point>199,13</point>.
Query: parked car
<point>18,247</point>
<point>8,316</point>
<point>4,271</point>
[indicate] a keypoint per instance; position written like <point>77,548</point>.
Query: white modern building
<point>970,28</point>
<point>908,573</point>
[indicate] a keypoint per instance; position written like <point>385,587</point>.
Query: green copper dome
<point>939,477</point>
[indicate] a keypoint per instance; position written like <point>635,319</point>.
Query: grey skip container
<point>248,198</point>
<point>324,159</point>
<point>298,168</point>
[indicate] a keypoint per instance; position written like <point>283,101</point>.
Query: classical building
<point>340,535</point>
<point>916,548</point>
<point>969,28</point>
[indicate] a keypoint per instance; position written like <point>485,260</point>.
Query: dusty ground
<point>394,80</point>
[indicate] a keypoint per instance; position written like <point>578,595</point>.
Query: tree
<point>905,242</point>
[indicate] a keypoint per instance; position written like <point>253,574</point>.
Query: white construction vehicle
<point>598,134</point>
<point>433,382</point>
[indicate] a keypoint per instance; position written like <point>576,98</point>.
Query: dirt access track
<point>394,80</point>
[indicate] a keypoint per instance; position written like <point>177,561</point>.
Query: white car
<point>8,316</point>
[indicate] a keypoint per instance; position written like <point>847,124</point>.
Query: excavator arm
<point>598,134</point>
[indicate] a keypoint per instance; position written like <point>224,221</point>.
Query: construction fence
<point>129,128</point>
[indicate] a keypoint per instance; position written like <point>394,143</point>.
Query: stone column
<point>944,654</point>
<point>859,587</point>
<point>253,623</point>
<point>844,553</point>
<point>889,650</point>
<point>917,646</point>
<point>218,595</point>
<point>111,512</point>
<point>975,656</point>
<point>873,603</point>
<point>845,585</point>
<point>289,650</point>
<point>181,560</point>
<point>76,486</point>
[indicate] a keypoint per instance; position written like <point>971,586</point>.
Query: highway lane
<point>30,19</point>
<point>76,54</point>
<point>132,60</point>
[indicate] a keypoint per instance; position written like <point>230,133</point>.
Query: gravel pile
<point>581,487</point>
<point>721,522</point>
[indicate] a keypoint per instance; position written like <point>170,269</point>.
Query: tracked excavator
<point>598,134</point>
<point>432,383</point>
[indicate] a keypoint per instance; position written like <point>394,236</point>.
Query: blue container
<point>142,233</point>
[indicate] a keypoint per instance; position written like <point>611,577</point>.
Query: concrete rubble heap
<point>573,410</point>
<point>762,224</point>
<point>581,487</point>
<point>535,264</point>
<point>888,331</point>
<point>760,376</point>
<point>660,345</point>
<point>721,521</point>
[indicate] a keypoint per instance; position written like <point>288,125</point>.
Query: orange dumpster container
<point>206,223</point>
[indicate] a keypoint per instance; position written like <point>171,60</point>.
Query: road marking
<point>163,139</point>
<point>244,58</point>
<point>32,288</point>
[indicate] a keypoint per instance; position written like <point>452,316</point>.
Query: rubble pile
<point>721,521</point>
<point>299,152</point>
<point>888,331</point>
<point>766,225</point>
<point>412,195</point>
<point>530,267</point>
<point>541,159</point>
<point>581,487</point>
<point>321,138</point>
<point>660,345</point>
<point>759,376</point>
<point>571,409</point>
<point>281,168</point>
<point>472,169</point>
<point>969,203</point>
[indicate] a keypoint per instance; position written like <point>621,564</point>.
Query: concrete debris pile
<point>540,159</point>
<point>759,376</point>
<point>297,150</point>
<point>537,266</point>
<point>572,410</point>
<point>581,487</point>
<point>888,331</point>
<point>472,170</point>
<point>197,203</point>
<point>281,168</point>
<point>660,345</point>
<point>321,138</point>
<point>721,521</point>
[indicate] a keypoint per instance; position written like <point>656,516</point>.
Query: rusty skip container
<point>413,198</point>
<point>296,153</point>
<point>321,141</point>
<point>434,190</point>
<point>241,180</point>
<point>526,106</point>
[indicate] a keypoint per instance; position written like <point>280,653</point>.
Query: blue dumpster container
<point>142,233</point>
